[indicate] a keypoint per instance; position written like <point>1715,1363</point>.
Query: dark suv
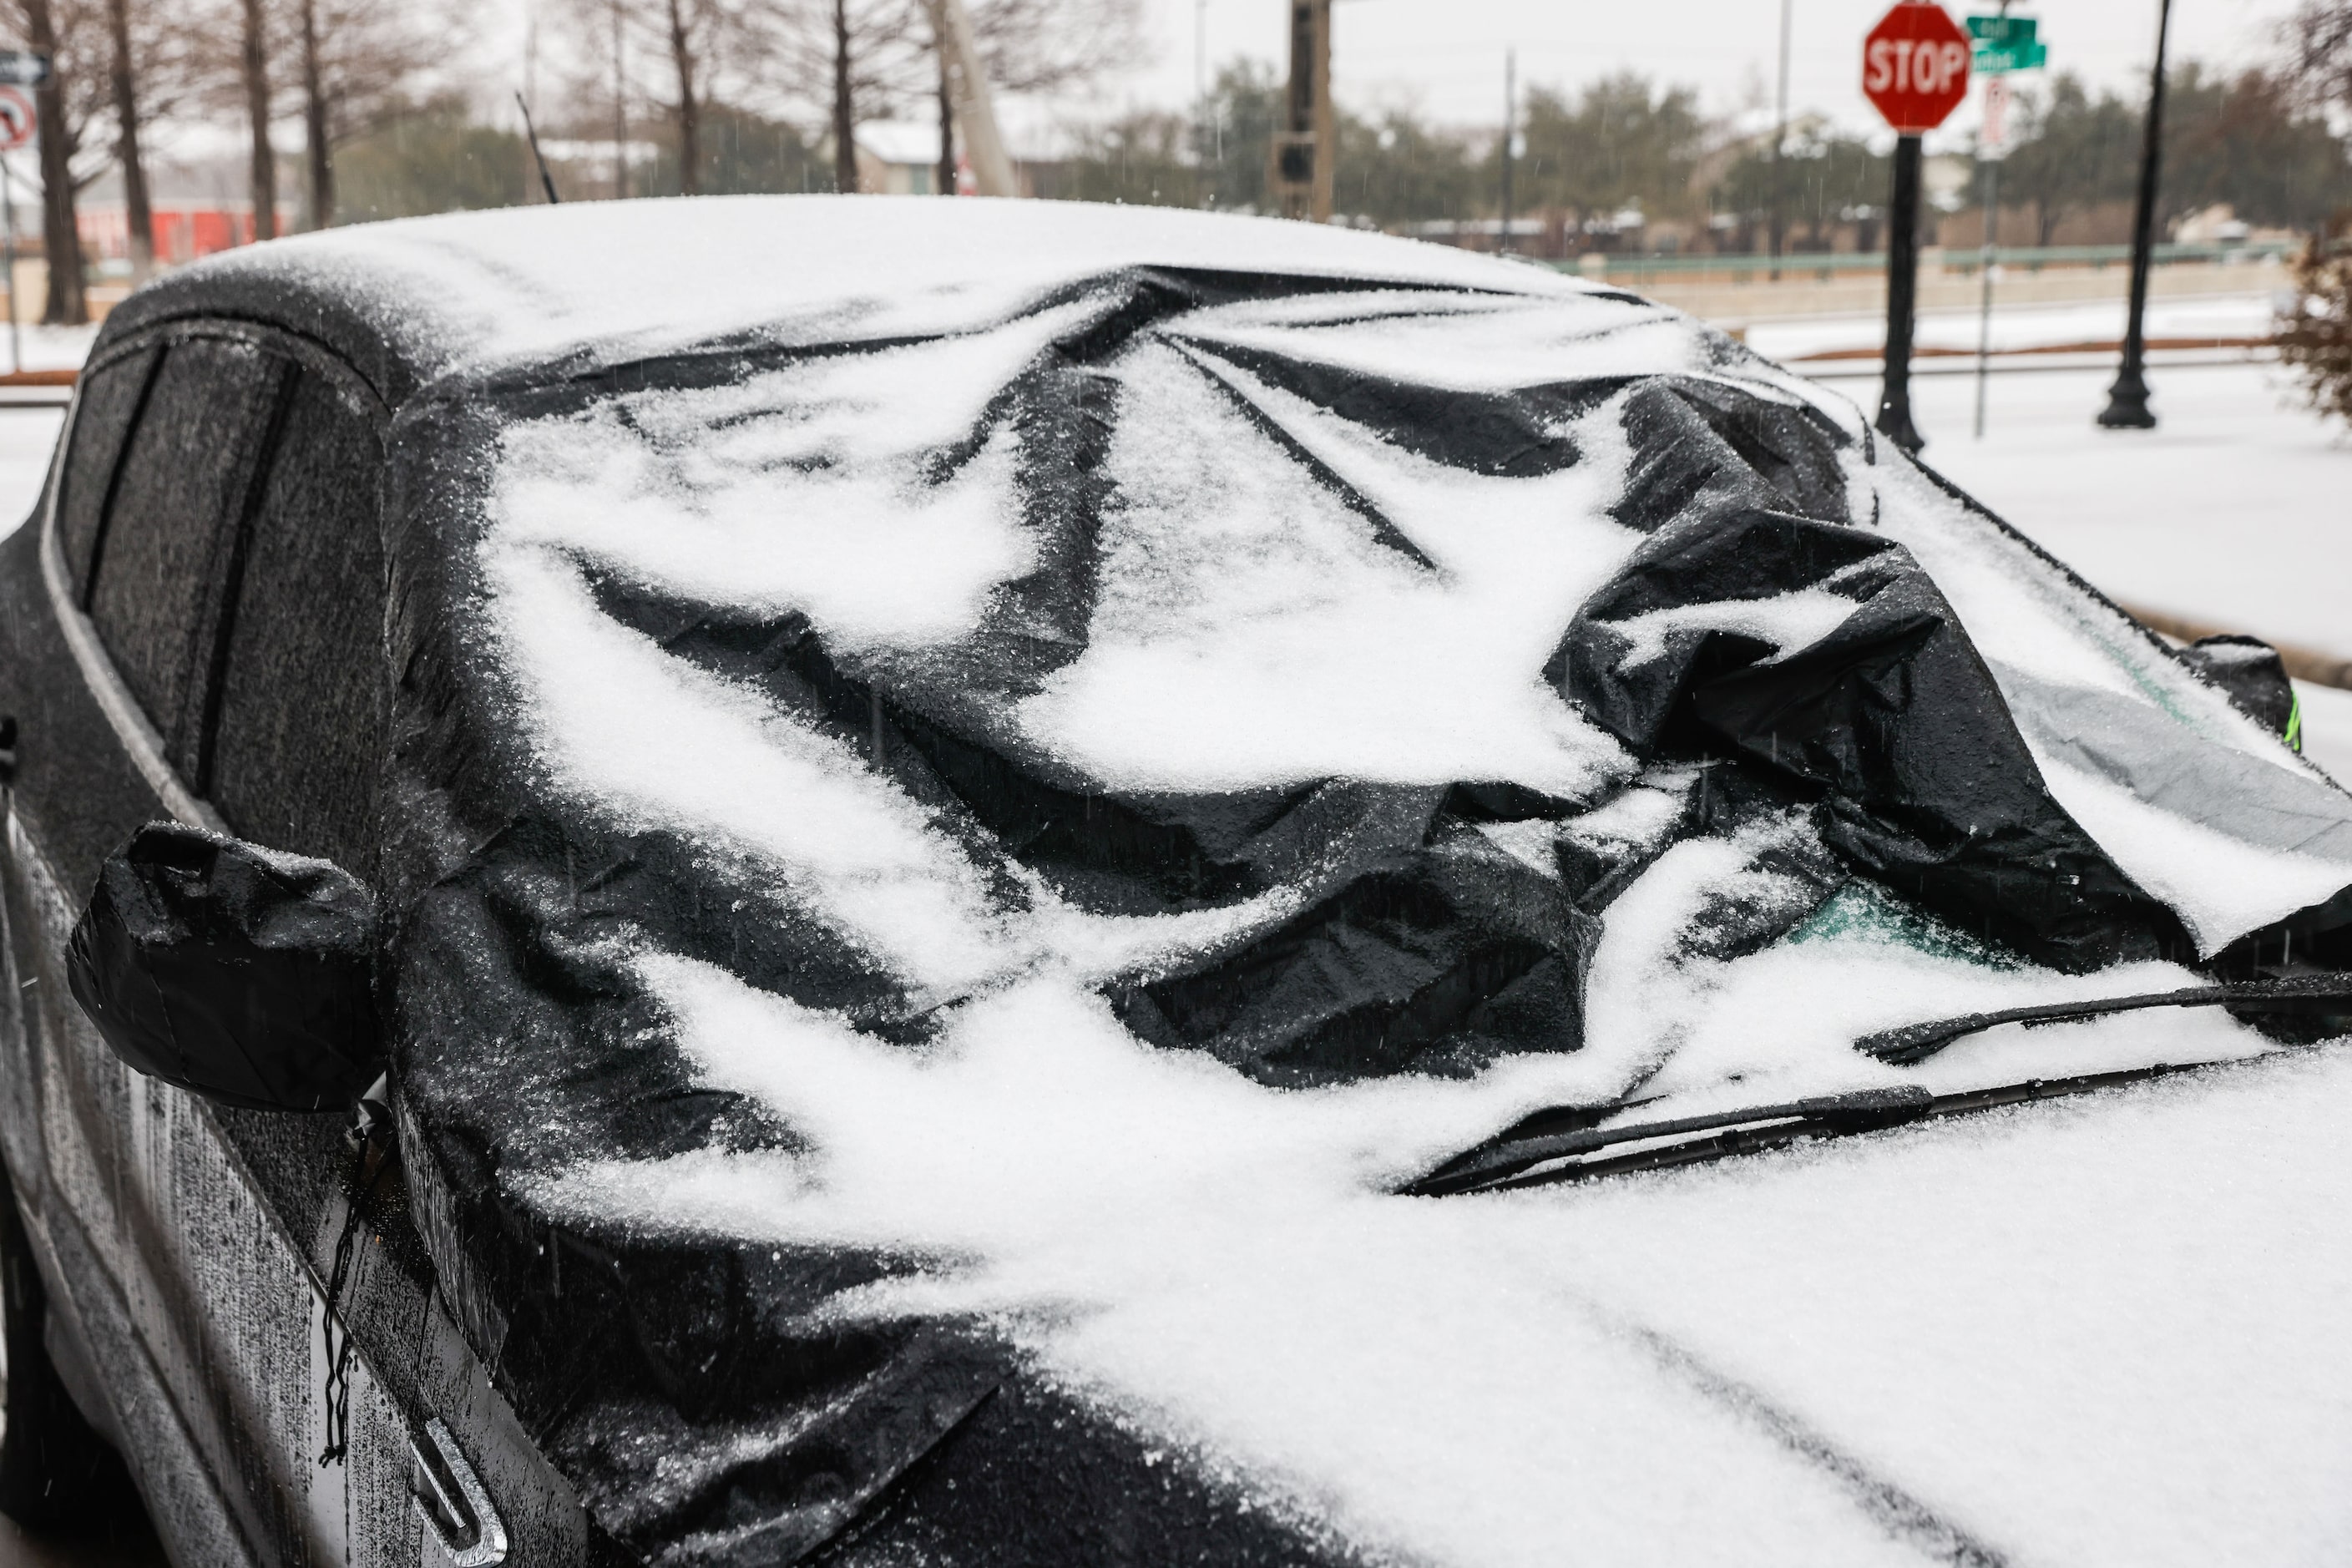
<point>887,882</point>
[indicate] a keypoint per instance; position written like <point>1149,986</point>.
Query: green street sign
<point>1994,62</point>
<point>2001,30</point>
<point>2006,44</point>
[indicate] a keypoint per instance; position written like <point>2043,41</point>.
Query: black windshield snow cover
<point>240,972</point>
<point>700,1390</point>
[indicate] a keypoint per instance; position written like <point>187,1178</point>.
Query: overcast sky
<point>1445,56</point>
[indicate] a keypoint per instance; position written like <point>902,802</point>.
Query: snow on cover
<point>1460,1381</point>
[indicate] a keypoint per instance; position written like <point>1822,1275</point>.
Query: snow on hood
<point>1222,580</point>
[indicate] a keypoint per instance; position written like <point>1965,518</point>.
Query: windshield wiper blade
<point>1509,1162</point>
<point>2304,993</point>
<point>1498,1162</point>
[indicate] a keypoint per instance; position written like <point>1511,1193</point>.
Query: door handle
<point>449,1497</point>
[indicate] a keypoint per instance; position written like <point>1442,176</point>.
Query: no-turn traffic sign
<point>16,119</point>
<point>1915,66</point>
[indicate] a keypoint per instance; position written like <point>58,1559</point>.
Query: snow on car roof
<point>469,289</point>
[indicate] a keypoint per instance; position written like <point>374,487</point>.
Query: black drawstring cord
<point>338,1392</point>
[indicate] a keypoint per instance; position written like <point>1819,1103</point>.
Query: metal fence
<point>1825,266</point>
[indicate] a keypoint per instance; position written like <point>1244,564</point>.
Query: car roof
<point>413,300</point>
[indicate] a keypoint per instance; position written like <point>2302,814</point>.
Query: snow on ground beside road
<point>2016,327</point>
<point>28,432</point>
<point>54,348</point>
<point>2232,512</point>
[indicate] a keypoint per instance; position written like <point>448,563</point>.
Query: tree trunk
<point>263,174</point>
<point>318,151</point>
<point>689,112</point>
<point>138,212</point>
<point>66,305</point>
<point>845,116</point>
<point>947,172</point>
<point>620,113</point>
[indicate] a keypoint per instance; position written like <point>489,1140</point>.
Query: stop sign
<point>1915,66</point>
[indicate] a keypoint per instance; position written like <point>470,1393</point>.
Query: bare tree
<point>360,59</point>
<point>253,76</point>
<point>73,34</point>
<point>852,59</point>
<point>689,24</point>
<point>2318,39</point>
<point>318,151</point>
<point>152,62</point>
<point>945,183</point>
<point>138,217</point>
<point>845,103</point>
<point>1041,45</point>
<point>613,40</point>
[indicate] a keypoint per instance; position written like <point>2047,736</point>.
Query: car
<point>872,881</point>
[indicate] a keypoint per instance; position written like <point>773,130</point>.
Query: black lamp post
<point>2126,406</point>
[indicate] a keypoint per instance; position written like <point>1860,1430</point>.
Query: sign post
<point>2128,406</point>
<point>1914,70</point>
<point>2004,44</point>
<point>17,123</point>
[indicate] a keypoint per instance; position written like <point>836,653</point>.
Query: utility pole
<point>1303,143</point>
<point>1511,135</point>
<point>1780,137</point>
<point>2126,406</point>
<point>1201,90</point>
<point>1200,50</point>
<point>620,113</point>
<point>975,108</point>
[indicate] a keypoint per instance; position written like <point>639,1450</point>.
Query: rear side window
<point>158,561</point>
<point>300,704</point>
<point>109,401</point>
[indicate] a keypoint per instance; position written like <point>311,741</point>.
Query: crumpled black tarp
<point>707,1406</point>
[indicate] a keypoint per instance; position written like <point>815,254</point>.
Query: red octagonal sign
<point>1915,66</point>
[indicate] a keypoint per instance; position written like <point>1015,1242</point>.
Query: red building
<point>184,229</point>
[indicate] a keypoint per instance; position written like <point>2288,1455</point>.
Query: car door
<point>204,518</point>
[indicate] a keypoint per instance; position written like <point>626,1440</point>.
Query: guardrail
<point>1826,265</point>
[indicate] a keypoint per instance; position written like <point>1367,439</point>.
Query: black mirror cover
<point>2251,671</point>
<point>242,974</point>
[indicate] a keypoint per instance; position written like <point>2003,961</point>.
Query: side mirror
<point>242,974</point>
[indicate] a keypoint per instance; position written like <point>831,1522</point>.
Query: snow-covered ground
<point>2235,512</point>
<point>49,347</point>
<point>28,432</point>
<point>2021,327</point>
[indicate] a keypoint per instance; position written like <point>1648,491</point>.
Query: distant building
<point>184,230</point>
<point>899,158</point>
